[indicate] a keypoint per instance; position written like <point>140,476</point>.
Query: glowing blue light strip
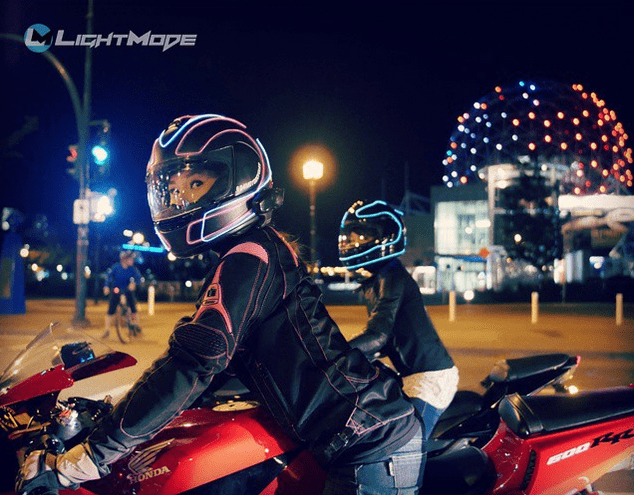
<point>380,246</point>
<point>365,263</point>
<point>379,202</point>
<point>148,249</point>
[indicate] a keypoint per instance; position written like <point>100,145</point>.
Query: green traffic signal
<point>100,154</point>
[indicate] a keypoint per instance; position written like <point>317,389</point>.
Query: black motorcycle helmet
<point>370,232</point>
<point>207,180</point>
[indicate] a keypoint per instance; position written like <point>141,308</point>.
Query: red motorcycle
<point>514,444</point>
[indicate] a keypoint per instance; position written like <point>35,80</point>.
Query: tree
<point>530,226</point>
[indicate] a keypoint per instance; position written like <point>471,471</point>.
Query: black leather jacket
<point>398,325</point>
<point>260,311</point>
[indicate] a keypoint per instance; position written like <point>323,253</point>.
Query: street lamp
<point>138,238</point>
<point>313,171</point>
<point>101,206</point>
<point>81,207</point>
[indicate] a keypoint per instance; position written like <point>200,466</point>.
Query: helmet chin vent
<point>172,224</point>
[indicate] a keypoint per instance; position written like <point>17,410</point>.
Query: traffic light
<point>72,153</point>
<point>100,151</point>
<point>72,159</point>
<point>100,154</point>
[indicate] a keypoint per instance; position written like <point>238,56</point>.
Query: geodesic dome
<point>552,125</point>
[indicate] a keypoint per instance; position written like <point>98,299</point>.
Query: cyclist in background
<point>123,277</point>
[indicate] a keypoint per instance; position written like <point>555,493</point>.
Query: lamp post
<point>313,171</point>
<point>82,205</point>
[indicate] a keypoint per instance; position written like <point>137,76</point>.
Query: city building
<point>537,188</point>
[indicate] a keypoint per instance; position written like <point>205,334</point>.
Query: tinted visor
<point>353,236</point>
<point>183,185</point>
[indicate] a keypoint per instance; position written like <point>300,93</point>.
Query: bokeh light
<point>567,128</point>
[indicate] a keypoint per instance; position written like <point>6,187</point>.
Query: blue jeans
<point>428,413</point>
<point>399,474</point>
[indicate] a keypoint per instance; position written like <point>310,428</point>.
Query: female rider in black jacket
<point>260,314</point>
<point>372,237</point>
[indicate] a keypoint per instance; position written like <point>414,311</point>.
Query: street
<point>481,335</point>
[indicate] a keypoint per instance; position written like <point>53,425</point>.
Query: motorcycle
<point>533,444</point>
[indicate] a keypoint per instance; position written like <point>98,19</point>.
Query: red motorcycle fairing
<point>59,378</point>
<point>47,382</point>
<point>511,457</point>
<point>571,460</point>
<point>564,448</point>
<point>215,451</point>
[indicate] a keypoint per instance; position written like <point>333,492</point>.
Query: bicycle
<point>126,328</point>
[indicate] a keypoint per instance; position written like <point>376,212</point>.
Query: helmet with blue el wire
<point>370,232</point>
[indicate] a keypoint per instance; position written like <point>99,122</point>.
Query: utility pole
<point>84,174</point>
<point>82,116</point>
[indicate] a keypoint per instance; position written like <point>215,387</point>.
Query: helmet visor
<point>353,236</point>
<point>184,185</point>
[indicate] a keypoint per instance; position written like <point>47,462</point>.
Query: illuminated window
<point>462,227</point>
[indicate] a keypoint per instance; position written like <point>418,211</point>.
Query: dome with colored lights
<point>566,128</point>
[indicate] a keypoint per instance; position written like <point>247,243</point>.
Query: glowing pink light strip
<point>191,120</point>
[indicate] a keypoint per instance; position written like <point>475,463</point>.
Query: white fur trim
<point>437,388</point>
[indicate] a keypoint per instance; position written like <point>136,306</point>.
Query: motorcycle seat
<point>464,405</point>
<point>517,369</point>
<point>462,471</point>
<point>527,415</point>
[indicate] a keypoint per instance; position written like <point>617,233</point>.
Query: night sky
<point>380,84</point>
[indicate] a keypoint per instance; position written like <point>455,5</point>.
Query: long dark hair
<point>293,243</point>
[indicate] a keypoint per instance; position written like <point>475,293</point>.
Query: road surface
<point>479,336</point>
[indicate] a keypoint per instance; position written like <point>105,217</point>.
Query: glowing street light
<point>101,206</point>
<point>313,171</point>
<point>138,238</point>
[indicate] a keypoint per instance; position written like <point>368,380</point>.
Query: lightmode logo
<point>39,38</point>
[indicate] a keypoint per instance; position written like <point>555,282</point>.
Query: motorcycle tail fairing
<point>550,445</point>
